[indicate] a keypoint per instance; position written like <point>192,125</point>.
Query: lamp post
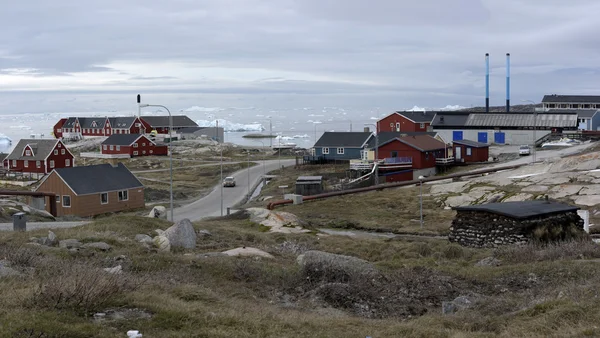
<point>263,160</point>
<point>170,150</point>
<point>376,152</point>
<point>221,148</point>
<point>248,175</point>
<point>534,130</point>
<point>421,198</point>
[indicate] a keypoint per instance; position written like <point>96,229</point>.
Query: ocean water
<point>301,126</point>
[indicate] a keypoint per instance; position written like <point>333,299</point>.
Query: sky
<point>64,55</point>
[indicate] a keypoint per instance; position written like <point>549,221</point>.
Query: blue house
<point>342,145</point>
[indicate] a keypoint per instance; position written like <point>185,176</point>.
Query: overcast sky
<point>66,55</point>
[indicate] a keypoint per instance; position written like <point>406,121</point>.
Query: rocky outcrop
<point>277,221</point>
<point>162,243</point>
<point>69,244</point>
<point>320,265</point>
<point>181,235</point>
<point>247,252</point>
<point>97,246</point>
<point>158,212</point>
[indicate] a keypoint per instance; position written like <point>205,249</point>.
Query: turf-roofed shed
<point>496,224</point>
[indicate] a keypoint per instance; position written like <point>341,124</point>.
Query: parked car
<point>229,182</point>
<point>524,150</point>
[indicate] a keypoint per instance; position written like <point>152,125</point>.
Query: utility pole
<point>220,147</point>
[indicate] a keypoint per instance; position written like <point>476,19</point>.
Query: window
<point>118,148</point>
<point>14,163</point>
<point>62,151</point>
<point>58,130</point>
<point>426,156</point>
<point>55,151</point>
<point>137,125</point>
<point>67,162</point>
<point>27,152</point>
<point>112,147</point>
<point>397,126</point>
<point>468,151</point>
<point>325,150</point>
<point>422,125</point>
<point>104,147</point>
<point>392,125</point>
<point>340,151</point>
<point>104,198</point>
<point>394,154</point>
<point>143,144</point>
<point>150,151</point>
<point>26,164</point>
<point>38,164</point>
<point>66,201</point>
<point>57,198</point>
<point>123,195</point>
<point>143,152</point>
<point>135,153</point>
<point>51,163</point>
<point>59,145</point>
<point>135,145</point>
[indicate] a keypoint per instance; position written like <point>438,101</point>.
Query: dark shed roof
<point>93,179</point>
<point>418,116</point>
<point>122,139</point>
<point>386,136</point>
<point>343,139</point>
<point>423,142</point>
<point>471,143</point>
<point>121,121</point>
<point>571,98</point>
<point>163,121</point>
<point>521,210</point>
<point>450,119</point>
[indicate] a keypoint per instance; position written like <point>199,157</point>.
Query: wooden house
<point>38,156</point>
<point>93,190</point>
<point>406,121</point>
<point>467,151</point>
<point>342,145</point>
<point>161,123</point>
<point>98,126</point>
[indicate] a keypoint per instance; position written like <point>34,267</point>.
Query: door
<point>457,135</point>
<point>482,137</point>
<point>499,138</point>
<point>457,153</point>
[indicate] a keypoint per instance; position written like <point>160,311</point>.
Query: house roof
<point>421,142</point>
<point>499,120</point>
<point>521,210</point>
<point>122,139</point>
<point>41,149</point>
<point>88,122</point>
<point>472,143</point>
<point>190,130</point>
<point>343,139</point>
<point>124,122</point>
<point>163,121</point>
<point>571,98</point>
<point>418,116</point>
<point>386,136</point>
<point>70,123</point>
<point>98,178</point>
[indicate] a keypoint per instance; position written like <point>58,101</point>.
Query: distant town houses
<point>161,123</point>
<point>93,190</point>
<point>99,126</point>
<point>38,156</point>
<point>133,145</point>
<point>571,101</point>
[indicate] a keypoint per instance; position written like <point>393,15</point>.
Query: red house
<point>415,155</point>
<point>161,123</point>
<point>132,145</point>
<point>406,121</point>
<point>98,126</point>
<point>39,156</point>
<point>467,151</point>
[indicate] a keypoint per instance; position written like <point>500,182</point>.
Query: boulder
<point>182,235</point>
<point>158,212</point>
<point>7,271</point>
<point>162,243</point>
<point>518,198</point>
<point>98,246</point>
<point>488,261</point>
<point>52,239</point>
<point>116,270</point>
<point>459,201</point>
<point>320,265</point>
<point>204,233</point>
<point>247,252</point>
<point>448,188</point>
<point>69,243</point>
<point>459,303</point>
<point>143,238</point>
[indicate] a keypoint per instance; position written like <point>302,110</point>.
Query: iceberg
<point>229,126</point>
<point>202,109</point>
<point>5,139</point>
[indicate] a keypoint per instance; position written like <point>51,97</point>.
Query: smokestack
<point>487,82</point>
<point>139,100</point>
<point>507,82</point>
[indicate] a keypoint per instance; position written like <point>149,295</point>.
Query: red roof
<point>422,142</point>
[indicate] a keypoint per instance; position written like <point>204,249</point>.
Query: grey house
<point>342,145</point>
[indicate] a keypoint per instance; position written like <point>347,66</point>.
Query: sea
<point>299,126</point>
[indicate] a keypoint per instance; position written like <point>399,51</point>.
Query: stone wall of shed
<point>484,229</point>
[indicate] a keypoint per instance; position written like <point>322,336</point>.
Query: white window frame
<point>325,150</point>
<point>340,151</point>
<point>58,199</point>
<point>38,164</point>
<point>151,151</point>
<point>104,147</point>
<point>143,152</point>
<point>144,144</point>
<point>469,151</point>
<point>66,205</point>
<point>67,162</point>
<point>27,152</point>
<point>123,195</point>
<point>55,151</point>
<point>59,145</point>
<point>58,130</point>
<point>135,153</point>
<point>135,145</point>
<point>51,163</point>
<point>118,148</point>
<point>26,164</point>
<point>62,151</point>
<point>103,194</point>
<point>112,147</point>
<point>422,125</point>
<point>14,163</point>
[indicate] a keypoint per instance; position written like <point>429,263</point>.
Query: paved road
<point>185,167</point>
<point>43,225</point>
<point>210,205</point>
<point>543,155</point>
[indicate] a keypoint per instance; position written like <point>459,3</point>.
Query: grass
<point>535,292</point>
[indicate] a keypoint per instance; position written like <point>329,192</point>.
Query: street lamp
<point>376,152</point>
<point>263,160</point>
<point>221,148</point>
<point>143,105</point>
<point>248,151</point>
<point>534,129</point>
<point>421,197</point>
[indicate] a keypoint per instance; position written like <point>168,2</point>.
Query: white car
<point>229,182</point>
<point>524,150</point>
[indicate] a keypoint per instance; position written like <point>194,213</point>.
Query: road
<point>211,164</point>
<point>43,225</point>
<point>210,205</point>
<point>543,155</point>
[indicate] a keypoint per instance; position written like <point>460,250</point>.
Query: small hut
<point>309,185</point>
<point>495,224</point>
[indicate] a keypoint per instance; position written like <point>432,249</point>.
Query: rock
<point>182,235</point>
<point>592,189</point>
<point>448,188</point>
<point>97,245</point>
<point>116,270</point>
<point>69,243</point>
<point>159,232</point>
<point>7,271</point>
<point>204,233</point>
<point>518,198</point>
<point>493,198</point>
<point>335,268</point>
<point>459,201</point>
<point>162,243</point>
<point>459,303</point>
<point>488,261</point>
<point>26,209</point>
<point>247,252</point>
<point>158,212</point>
<point>535,188</point>
<point>448,308</point>
<point>587,200</point>
<point>143,238</point>
<point>211,254</point>
<point>53,240</point>
<point>564,190</point>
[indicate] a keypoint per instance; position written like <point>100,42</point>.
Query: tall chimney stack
<point>139,101</point>
<point>487,82</point>
<point>507,82</point>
